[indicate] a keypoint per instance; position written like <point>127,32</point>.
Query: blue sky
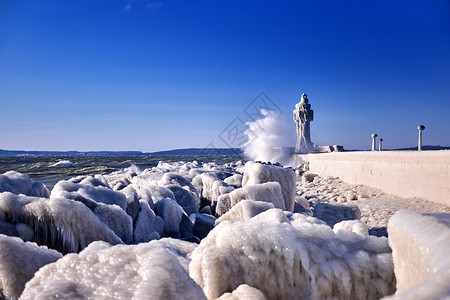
<point>155,75</point>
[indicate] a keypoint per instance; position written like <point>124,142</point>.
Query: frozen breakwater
<point>186,230</point>
<point>422,174</point>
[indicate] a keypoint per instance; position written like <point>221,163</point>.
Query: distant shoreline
<point>186,151</point>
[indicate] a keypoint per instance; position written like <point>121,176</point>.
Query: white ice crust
<point>18,183</point>
<point>301,261</point>
<point>101,271</point>
<point>19,261</point>
<point>64,224</point>
<point>255,173</point>
<point>420,248</point>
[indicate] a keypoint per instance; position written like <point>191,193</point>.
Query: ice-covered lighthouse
<point>303,115</point>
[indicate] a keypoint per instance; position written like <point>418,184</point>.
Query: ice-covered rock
<point>304,261</point>
<point>62,224</point>
<point>116,219</point>
<point>203,224</point>
<point>335,213</point>
<point>355,226</point>
<point>19,261</point>
<point>96,180</point>
<point>185,198</point>
<point>210,187</point>
<point>244,211</point>
<point>176,223</point>
<point>102,271</point>
<point>256,173</point>
<point>75,191</point>
<point>174,178</point>
<point>18,183</point>
<point>132,201</point>
<point>148,225</point>
<point>234,180</point>
<point>158,193</point>
<point>420,249</point>
<point>243,292</point>
<point>266,192</point>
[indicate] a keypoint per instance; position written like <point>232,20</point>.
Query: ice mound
<point>266,192</point>
<point>18,183</point>
<point>255,173</point>
<point>244,211</point>
<point>158,193</point>
<point>272,215</point>
<point>335,213</point>
<point>102,271</point>
<point>355,226</point>
<point>243,292</point>
<point>19,261</point>
<point>420,249</point>
<point>301,261</point>
<point>61,224</point>
<point>63,163</point>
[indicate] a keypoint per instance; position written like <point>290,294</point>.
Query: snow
<point>255,173</point>
<point>301,261</point>
<point>101,271</point>
<point>19,261</point>
<point>18,183</point>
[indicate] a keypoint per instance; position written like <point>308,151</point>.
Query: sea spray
<point>268,136</point>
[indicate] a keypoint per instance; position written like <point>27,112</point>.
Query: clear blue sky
<point>155,75</point>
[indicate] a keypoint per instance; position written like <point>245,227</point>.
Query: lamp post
<point>380,147</point>
<point>374,136</point>
<point>421,128</point>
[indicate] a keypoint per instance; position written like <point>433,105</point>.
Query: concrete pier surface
<point>424,174</point>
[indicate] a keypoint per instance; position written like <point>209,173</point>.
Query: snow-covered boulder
<point>101,271</point>
<point>304,261</point>
<point>266,192</point>
<point>19,261</point>
<point>420,248</point>
<point>255,173</point>
<point>65,225</point>
<point>18,183</point>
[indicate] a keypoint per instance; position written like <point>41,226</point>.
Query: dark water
<point>39,168</point>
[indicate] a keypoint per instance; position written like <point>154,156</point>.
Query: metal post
<point>421,128</point>
<point>374,136</point>
<point>380,146</point>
